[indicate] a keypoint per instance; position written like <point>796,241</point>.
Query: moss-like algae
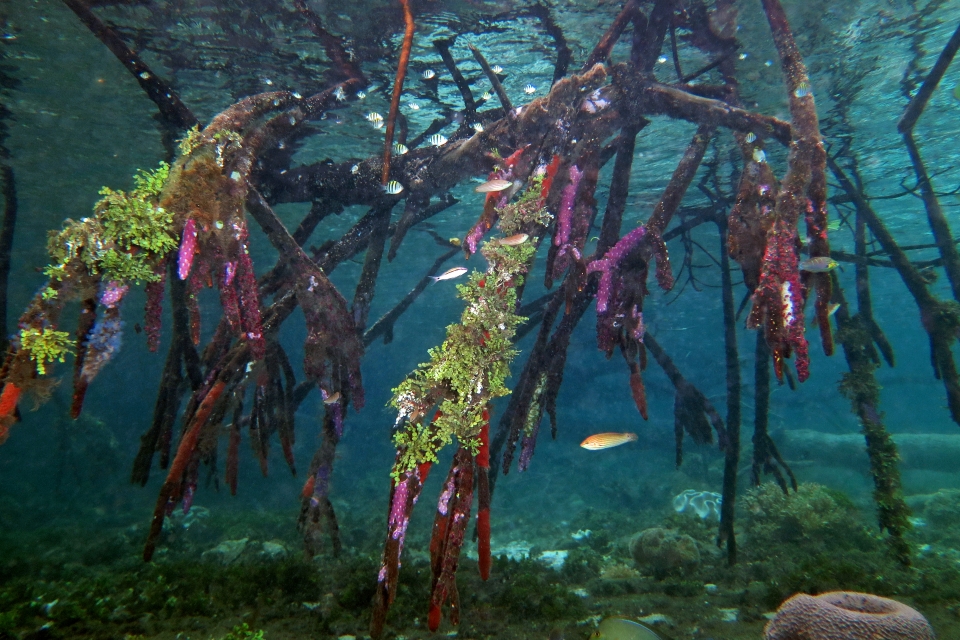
<point>124,240</point>
<point>45,346</point>
<point>472,364</point>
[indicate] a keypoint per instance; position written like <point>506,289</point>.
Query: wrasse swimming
<point>513,241</point>
<point>456,272</point>
<point>491,186</point>
<point>620,629</point>
<point>599,441</point>
<point>820,264</point>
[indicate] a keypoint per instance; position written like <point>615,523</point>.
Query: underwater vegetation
<point>186,229</point>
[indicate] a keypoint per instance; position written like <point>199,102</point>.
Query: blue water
<point>78,121</point>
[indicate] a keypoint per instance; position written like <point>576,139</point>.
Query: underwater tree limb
<point>940,319</point>
<point>172,489</point>
<point>344,68</point>
<point>316,511</point>
<point>680,180</point>
<point>332,334</point>
<point>766,457</point>
<point>464,373</point>
<point>8,193</point>
<point>564,55</point>
<point>366,285</point>
<point>731,452</point>
<point>601,52</point>
<point>919,101</point>
<point>693,412</point>
<point>525,406</point>
<point>935,216</point>
<point>619,188</point>
<point>654,98</point>
<point>494,81</point>
<point>864,301</point>
<point>860,386</point>
<point>416,211</point>
<point>397,88</point>
<point>176,116</point>
<point>384,326</point>
<point>443,48</point>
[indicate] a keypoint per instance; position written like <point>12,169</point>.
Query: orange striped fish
<point>599,441</point>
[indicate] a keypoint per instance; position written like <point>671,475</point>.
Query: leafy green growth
<point>227,137</point>
<point>45,346</point>
<point>191,141</point>
<point>243,632</point>
<point>470,368</point>
<point>125,238</point>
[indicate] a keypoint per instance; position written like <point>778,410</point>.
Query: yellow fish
<point>620,629</point>
<point>820,264</point>
<point>599,441</point>
<point>333,398</point>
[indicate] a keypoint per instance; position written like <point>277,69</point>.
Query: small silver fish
<point>491,186</point>
<point>450,274</point>
<point>803,89</point>
<point>486,96</point>
<point>393,188</point>
<point>428,74</point>
<point>378,124</point>
<point>438,140</point>
<point>361,95</point>
<point>820,264</point>
<point>759,156</point>
<point>399,148</point>
<point>514,240</point>
<point>373,116</point>
<point>413,106</point>
<point>497,69</point>
<point>477,127</point>
<point>529,89</point>
<point>751,137</point>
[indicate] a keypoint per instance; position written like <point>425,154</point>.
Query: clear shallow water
<point>68,514</point>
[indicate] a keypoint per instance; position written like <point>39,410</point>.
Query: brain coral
<point>845,615</point>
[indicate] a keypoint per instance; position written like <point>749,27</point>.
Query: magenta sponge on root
<point>846,615</point>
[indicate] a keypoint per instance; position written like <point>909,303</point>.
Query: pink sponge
<point>845,615</point>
